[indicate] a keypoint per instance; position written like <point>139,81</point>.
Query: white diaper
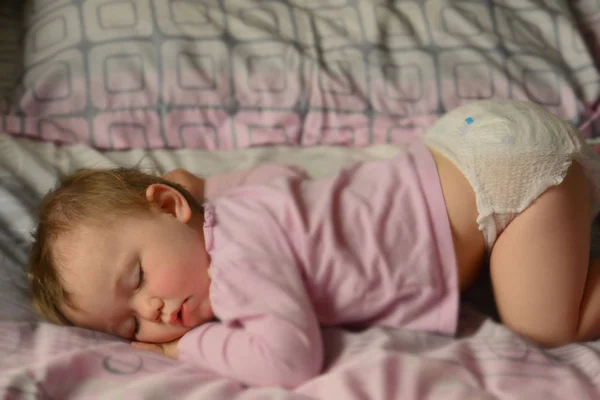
<point>510,152</point>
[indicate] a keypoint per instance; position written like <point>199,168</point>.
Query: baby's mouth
<point>176,317</point>
<point>186,313</point>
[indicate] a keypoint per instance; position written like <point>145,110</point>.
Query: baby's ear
<point>169,200</point>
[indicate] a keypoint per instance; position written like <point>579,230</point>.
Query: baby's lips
<point>175,318</point>
<point>186,314</point>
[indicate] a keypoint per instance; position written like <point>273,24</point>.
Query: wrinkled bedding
<point>42,361</point>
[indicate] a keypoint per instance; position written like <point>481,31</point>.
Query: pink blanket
<point>487,362</point>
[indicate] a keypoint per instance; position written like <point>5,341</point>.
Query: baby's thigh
<point>461,208</point>
<point>540,262</point>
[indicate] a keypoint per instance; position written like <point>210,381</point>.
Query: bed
<point>217,85</point>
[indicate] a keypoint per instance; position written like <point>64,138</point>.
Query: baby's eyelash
<point>136,327</point>
<point>140,276</point>
<point>136,321</point>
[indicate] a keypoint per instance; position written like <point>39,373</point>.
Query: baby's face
<point>145,278</point>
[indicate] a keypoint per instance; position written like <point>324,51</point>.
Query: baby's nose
<point>153,310</point>
<point>154,316</point>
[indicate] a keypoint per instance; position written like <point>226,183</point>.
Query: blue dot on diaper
<point>469,120</point>
<point>508,140</point>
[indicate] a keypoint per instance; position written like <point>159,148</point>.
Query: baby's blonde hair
<point>89,196</point>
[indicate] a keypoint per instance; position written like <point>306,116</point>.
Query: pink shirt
<point>371,245</point>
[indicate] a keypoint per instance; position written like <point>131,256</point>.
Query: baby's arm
<point>269,334</point>
<point>194,184</point>
<point>217,185</point>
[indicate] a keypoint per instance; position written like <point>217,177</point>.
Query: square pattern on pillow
<point>209,74</point>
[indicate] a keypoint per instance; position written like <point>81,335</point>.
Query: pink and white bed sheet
<point>45,362</point>
<point>221,74</point>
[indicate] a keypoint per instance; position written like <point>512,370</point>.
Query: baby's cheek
<point>171,283</point>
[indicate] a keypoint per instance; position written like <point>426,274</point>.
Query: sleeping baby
<point>241,283</point>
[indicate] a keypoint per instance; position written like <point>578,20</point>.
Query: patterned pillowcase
<point>587,13</point>
<point>11,57</point>
<point>211,74</point>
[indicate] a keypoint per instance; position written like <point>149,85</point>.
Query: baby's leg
<point>544,285</point>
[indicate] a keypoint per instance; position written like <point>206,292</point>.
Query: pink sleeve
<point>218,185</point>
<point>268,335</point>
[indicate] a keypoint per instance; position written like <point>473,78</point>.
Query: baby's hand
<point>168,349</point>
<point>193,183</point>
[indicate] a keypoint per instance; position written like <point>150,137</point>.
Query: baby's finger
<point>179,176</point>
<point>147,346</point>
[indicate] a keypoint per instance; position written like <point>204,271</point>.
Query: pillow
<point>588,15</point>
<point>11,60</point>
<point>119,74</point>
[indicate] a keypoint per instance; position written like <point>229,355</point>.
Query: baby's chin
<point>165,337</point>
<point>171,336</point>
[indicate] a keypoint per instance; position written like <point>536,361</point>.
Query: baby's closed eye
<point>140,280</point>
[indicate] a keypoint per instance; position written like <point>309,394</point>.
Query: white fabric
<point>511,152</point>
